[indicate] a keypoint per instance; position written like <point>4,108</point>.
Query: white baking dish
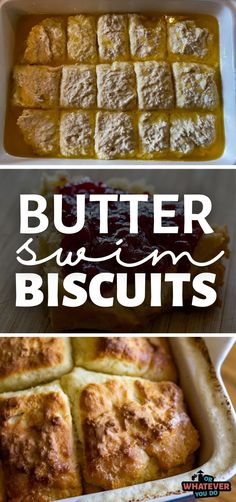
<point>223,10</point>
<point>212,413</point>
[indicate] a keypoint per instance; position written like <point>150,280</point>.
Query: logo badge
<point>203,485</point>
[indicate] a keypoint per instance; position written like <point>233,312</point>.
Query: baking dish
<point>212,413</point>
<point>223,10</point>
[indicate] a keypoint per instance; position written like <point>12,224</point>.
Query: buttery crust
<point>37,446</point>
<point>132,356</point>
<point>130,430</point>
<point>124,319</point>
<point>30,361</point>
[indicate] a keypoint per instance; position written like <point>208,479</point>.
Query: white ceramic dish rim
<point>224,10</point>
<point>212,413</point>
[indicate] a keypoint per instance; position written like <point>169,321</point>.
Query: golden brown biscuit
<point>30,361</point>
<point>134,356</point>
<point>131,430</point>
<point>37,447</point>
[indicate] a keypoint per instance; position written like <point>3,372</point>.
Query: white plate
<point>223,10</point>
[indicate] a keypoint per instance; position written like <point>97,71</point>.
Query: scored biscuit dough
<point>186,38</point>
<point>154,132</point>
<point>36,86</point>
<point>147,37</point>
<point>195,86</point>
<point>113,39</point>
<point>116,86</point>
<point>130,430</point>
<point>40,129</point>
<point>37,447</point>
<point>155,86</point>
<point>81,39</point>
<point>135,356</point>
<point>25,362</point>
<point>78,86</point>
<point>114,135</point>
<point>77,133</point>
<point>46,42</point>
<point>191,131</point>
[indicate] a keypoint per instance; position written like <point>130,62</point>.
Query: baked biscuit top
<point>36,445</point>
<point>28,361</point>
<point>134,356</point>
<point>21,354</point>
<point>131,430</point>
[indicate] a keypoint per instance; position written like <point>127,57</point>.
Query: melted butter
<point>13,139</point>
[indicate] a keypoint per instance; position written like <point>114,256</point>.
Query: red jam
<point>134,246</point>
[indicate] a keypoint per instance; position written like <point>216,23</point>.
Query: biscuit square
<point>81,39</point>
<point>40,130</point>
<point>195,86</point>
<point>147,37</point>
<point>191,132</point>
<point>185,37</point>
<point>36,86</point>
<point>155,86</point>
<point>78,86</point>
<point>114,135</point>
<point>144,357</point>
<point>130,430</point>
<point>77,134</point>
<point>154,132</point>
<point>116,86</point>
<point>46,42</point>
<point>26,361</point>
<point>37,445</point>
<point>113,40</point>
